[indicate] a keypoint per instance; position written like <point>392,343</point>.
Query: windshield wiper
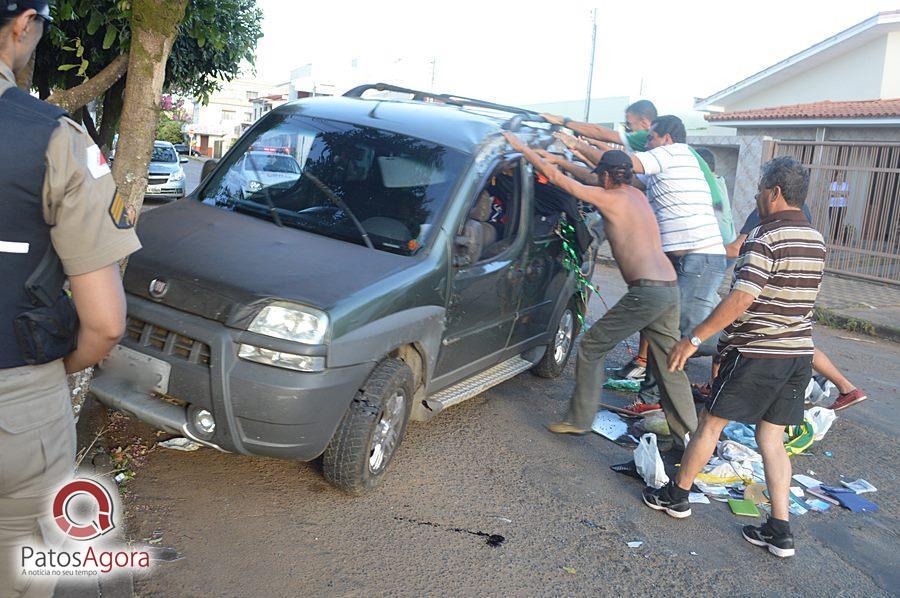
<point>343,206</point>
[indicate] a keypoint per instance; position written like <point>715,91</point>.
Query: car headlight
<point>291,361</point>
<point>254,186</point>
<point>291,322</point>
<point>176,176</point>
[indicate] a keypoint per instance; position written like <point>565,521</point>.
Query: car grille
<point>158,180</point>
<point>167,342</point>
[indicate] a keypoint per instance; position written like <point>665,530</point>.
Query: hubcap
<point>564,336</point>
<point>387,432</point>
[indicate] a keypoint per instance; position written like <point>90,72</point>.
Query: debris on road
<point>180,444</point>
<point>571,570</point>
<point>636,544</point>
<point>609,425</point>
<point>649,463</point>
<point>859,486</point>
<point>743,507</point>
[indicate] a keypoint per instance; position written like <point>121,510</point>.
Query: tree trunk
<point>76,97</point>
<point>154,25</point>
<point>24,79</point>
<point>112,114</point>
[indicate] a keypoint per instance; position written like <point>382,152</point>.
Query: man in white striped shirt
<point>680,197</point>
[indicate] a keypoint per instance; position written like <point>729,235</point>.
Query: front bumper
<point>258,409</point>
<point>165,191</point>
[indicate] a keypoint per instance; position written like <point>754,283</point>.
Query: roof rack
<point>420,96</point>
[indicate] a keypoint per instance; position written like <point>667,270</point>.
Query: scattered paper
<point>807,481</point>
<point>180,444</point>
<point>635,544</point>
<point>698,497</point>
<point>797,491</point>
<point>609,425</point>
<point>119,477</point>
<point>693,553</point>
<point>859,486</point>
<point>819,506</point>
<point>571,570</point>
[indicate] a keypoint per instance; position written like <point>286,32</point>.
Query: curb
<point>828,317</point>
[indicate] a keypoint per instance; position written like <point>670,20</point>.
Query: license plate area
<point>148,374</point>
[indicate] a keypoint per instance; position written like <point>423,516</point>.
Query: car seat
<point>479,233</point>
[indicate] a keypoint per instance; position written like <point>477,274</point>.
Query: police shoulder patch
<point>123,215</point>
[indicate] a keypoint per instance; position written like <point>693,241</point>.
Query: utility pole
<point>587,101</point>
<point>433,68</point>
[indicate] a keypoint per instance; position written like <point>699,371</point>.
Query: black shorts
<point>754,389</point>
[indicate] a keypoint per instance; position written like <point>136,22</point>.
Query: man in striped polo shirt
<point>766,349</point>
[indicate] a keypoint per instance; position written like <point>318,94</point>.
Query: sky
<point>528,52</point>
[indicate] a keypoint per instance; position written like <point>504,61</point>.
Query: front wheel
<point>371,430</point>
<point>559,349</point>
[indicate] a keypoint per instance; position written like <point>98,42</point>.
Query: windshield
<point>164,154</point>
<point>305,172</point>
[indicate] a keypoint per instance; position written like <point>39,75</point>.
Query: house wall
<point>890,85</point>
<point>857,75</point>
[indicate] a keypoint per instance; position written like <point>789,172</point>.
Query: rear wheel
<point>559,349</point>
<point>371,430</point>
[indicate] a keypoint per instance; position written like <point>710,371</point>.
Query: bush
<point>169,130</point>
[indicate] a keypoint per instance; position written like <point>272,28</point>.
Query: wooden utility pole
<point>587,101</point>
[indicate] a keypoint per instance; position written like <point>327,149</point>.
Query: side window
<point>494,217</point>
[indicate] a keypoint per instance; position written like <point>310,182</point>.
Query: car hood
<point>163,167</point>
<point>227,266</point>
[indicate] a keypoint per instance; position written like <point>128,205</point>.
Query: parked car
<point>165,177</point>
<point>182,149</point>
<point>394,267</point>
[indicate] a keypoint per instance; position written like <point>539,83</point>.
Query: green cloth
<point>637,140</point>
<point>720,201</point>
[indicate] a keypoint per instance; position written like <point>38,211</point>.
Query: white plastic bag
<point>821,419</point>
<point>649,463</point>
<point>819,390</point>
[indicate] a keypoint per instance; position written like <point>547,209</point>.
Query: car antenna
<point>340,203</point>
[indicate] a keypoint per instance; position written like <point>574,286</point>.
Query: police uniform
<point>56,190</point>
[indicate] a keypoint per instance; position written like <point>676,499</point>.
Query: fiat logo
<point>158,288</point>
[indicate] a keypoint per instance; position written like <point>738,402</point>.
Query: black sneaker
<point>659,500</point>
<point>633,370</point>
<point>780,545</point>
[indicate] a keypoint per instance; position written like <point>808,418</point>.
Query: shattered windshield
<point>307,173</point>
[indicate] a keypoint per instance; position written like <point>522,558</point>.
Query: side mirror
<point>208,167</point>
<point>183,160</point>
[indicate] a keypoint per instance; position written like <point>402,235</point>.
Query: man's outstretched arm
<point>592,195</point>
<point>586,129</point>
<point>584,175</point>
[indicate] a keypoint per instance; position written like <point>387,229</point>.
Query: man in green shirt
<point>721,203</point>
<point>638,117</point>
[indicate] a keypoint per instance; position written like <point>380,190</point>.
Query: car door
<point>545,274</point>
<point>484,295</point>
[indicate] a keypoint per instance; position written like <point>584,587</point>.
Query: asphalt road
<point>247,526</point>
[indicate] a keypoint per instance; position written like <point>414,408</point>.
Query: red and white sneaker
<point>641,408</point>
<point>847,399</point>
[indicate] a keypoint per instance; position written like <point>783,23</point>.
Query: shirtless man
<point>650,305</point>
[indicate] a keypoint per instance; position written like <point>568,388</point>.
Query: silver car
<point>165,177</point>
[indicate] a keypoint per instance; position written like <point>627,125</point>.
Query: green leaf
<point>69,67</point>
<point>110,37</point>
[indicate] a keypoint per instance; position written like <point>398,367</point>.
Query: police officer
<point>60,217</point>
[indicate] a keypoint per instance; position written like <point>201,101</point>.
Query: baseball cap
<point>15,7</point>
<point>613,159</point>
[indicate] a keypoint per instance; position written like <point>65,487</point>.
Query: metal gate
<point>854,197</point>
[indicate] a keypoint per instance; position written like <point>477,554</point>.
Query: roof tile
<point>815,110</point>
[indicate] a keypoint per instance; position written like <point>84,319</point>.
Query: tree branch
<point>78,96</point>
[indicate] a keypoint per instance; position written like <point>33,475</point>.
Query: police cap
<point>11,8</point>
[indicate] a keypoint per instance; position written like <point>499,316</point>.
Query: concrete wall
<point>857,75</point>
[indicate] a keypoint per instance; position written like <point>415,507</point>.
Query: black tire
<point>351,461</point>
<point>553,363</point>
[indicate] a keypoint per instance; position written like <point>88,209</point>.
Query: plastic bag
<point>735,451</point>
<point>819,390</point>
<point>649,463</point>
<point>821,419</point>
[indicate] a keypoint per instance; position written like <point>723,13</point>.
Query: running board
<point>474,386</point>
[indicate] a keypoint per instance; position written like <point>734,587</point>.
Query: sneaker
<point>635,369</point>
<point>659,500</point>
<point>640,408</point>
<point>779,545</point>
<point>846,399</point>
<point>566,428</point>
